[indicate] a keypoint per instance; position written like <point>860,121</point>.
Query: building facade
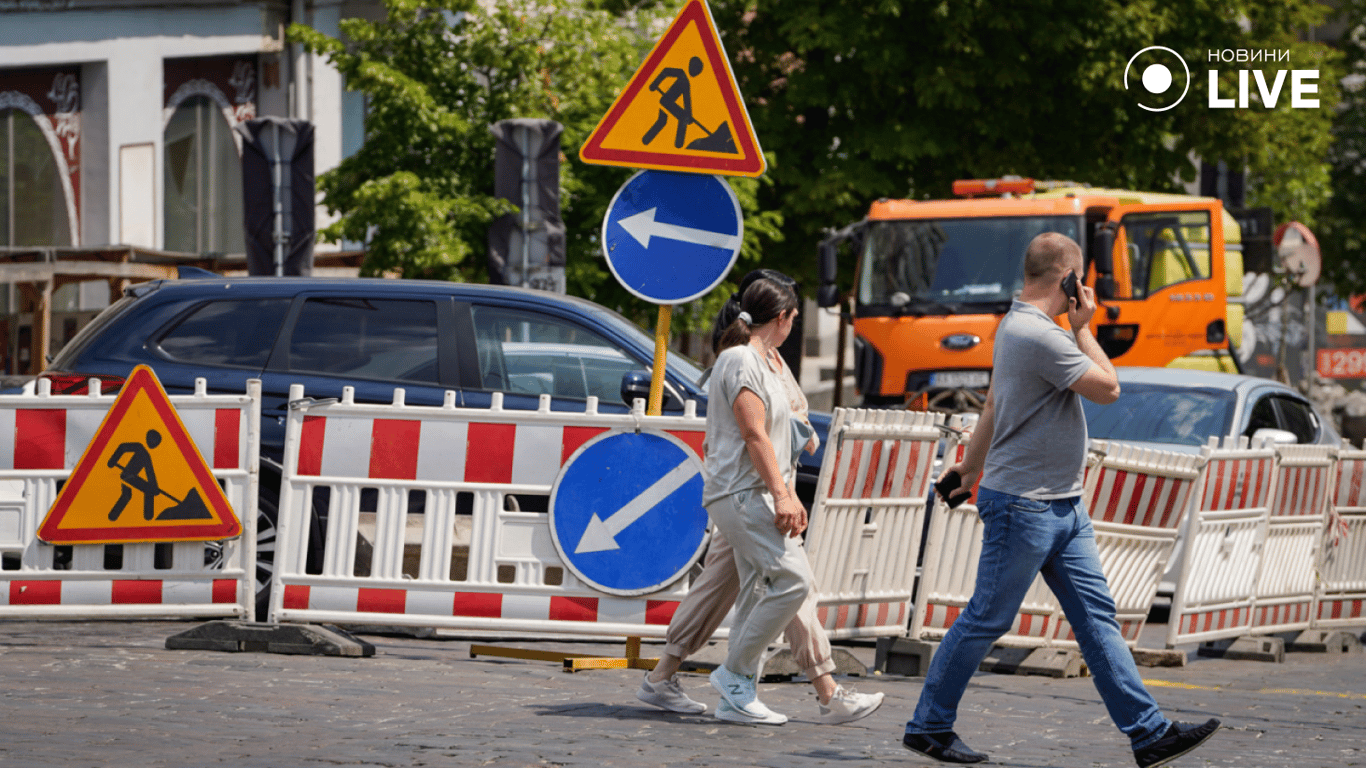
<point>116,137</point>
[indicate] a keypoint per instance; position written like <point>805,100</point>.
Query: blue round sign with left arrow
<point>626,512</point>
<point>669,237</point>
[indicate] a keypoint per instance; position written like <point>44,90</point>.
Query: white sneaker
<point>668,695</point>
<point>739,690</point>
<point>847,705</point>
<point>754,714</point>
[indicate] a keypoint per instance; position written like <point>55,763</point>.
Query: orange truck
<point>935,277</point>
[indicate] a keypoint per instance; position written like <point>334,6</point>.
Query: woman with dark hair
<point>751,452</point>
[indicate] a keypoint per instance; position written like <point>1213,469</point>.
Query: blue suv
<point>376,335</point>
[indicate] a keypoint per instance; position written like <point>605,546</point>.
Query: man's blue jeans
<point>1024,537</point>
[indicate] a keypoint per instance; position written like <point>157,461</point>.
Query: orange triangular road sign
<point>141,479</point>
<point>682,110</point>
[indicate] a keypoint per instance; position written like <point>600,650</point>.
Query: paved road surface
<point>98,694</point>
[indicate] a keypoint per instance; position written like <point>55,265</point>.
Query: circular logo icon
<point>1155,69</point>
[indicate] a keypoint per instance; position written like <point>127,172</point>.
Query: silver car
<point>1173,409</point>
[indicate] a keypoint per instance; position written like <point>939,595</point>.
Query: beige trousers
<point>709,600</point>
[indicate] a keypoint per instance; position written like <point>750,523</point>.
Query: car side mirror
<point>636,385</point>
<point>1276,436</point>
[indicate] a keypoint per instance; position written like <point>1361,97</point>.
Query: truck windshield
<point>937,264</point>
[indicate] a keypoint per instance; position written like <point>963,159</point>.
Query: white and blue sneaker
<point>740,699</point>
<point>755,714</point>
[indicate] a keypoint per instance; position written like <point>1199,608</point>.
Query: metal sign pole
<point>277,183</point>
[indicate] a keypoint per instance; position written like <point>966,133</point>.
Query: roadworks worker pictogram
<point>139,475</point>
<point>676,100</point>
<point>141,479</point>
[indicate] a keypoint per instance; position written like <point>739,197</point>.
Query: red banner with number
<point>1342,363</point>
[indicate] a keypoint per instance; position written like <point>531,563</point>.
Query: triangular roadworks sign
<point>682,110</point>
<point>141,479</point>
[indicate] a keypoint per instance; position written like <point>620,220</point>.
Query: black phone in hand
<point>947,485</point>
<point>1069,286</point>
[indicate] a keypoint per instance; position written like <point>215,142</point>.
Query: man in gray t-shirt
<point>1038,443</point>
<point>1029,449</point>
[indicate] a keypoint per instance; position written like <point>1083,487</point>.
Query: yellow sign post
<point>141,479</point>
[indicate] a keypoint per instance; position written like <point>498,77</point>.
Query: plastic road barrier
<point>867,518</point>
<point>1342,568</point>
<point>1224,536</point>
<point>440,517</point>
<point>47,435</point>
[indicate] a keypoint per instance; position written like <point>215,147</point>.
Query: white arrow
<point>643,226</point>
<point>600,535</point>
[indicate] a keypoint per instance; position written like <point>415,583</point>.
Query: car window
<point>236,333</point>
<point>1263,416</point>
<point>390,339</point>
<point>1166,248</point>
<point>1159,414</point>
<point>534,354</point>
<point>1297,418</point>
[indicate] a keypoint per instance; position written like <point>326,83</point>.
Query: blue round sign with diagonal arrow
<point>626,512</point>
<point>669,237</point>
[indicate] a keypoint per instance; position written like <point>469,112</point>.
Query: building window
<point>32,201</point>
<point>203,181</point>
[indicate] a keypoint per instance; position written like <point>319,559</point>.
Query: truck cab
<point>934,278</point>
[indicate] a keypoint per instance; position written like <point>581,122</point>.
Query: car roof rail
<point>194,273</point>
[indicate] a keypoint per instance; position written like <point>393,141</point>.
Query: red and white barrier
<point>1137,498</point>
<point>1286,582</point>
<point>867,518</point>
<point>46,436</point>
<point>1342,567</point>
<point>1216,583</point>
<point>470,464</point>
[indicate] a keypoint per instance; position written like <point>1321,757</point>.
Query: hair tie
<point>746,318</point>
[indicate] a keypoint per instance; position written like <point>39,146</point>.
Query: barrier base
<point>904,656</point>
<point>1045,662</point>
<point>256,637</point>
<point>1150,657</point>
<point>1324,641</point>
<point>1245,648</point>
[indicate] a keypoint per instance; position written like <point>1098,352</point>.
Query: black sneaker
<point>1179,739</point>
<point>945,747</point>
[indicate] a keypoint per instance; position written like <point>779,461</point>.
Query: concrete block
<point>904,656</point>
<point>1245,648</point>
<point>1148,657</point>
<point>298,639</point>
<point>1045,662</point>
<point>782,666</point>
<point>1324,641</point>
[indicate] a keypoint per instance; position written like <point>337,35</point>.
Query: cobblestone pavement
<point>96,694</point>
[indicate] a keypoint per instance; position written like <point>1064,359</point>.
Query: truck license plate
<point>960,379</point>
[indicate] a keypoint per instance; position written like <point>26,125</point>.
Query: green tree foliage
<point>436,75</point>
<point>897,98</point>
<point>1342,227</point>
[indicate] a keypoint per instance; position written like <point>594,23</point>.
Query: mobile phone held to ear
<point>1069,286</point>
<point>948,485</point>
